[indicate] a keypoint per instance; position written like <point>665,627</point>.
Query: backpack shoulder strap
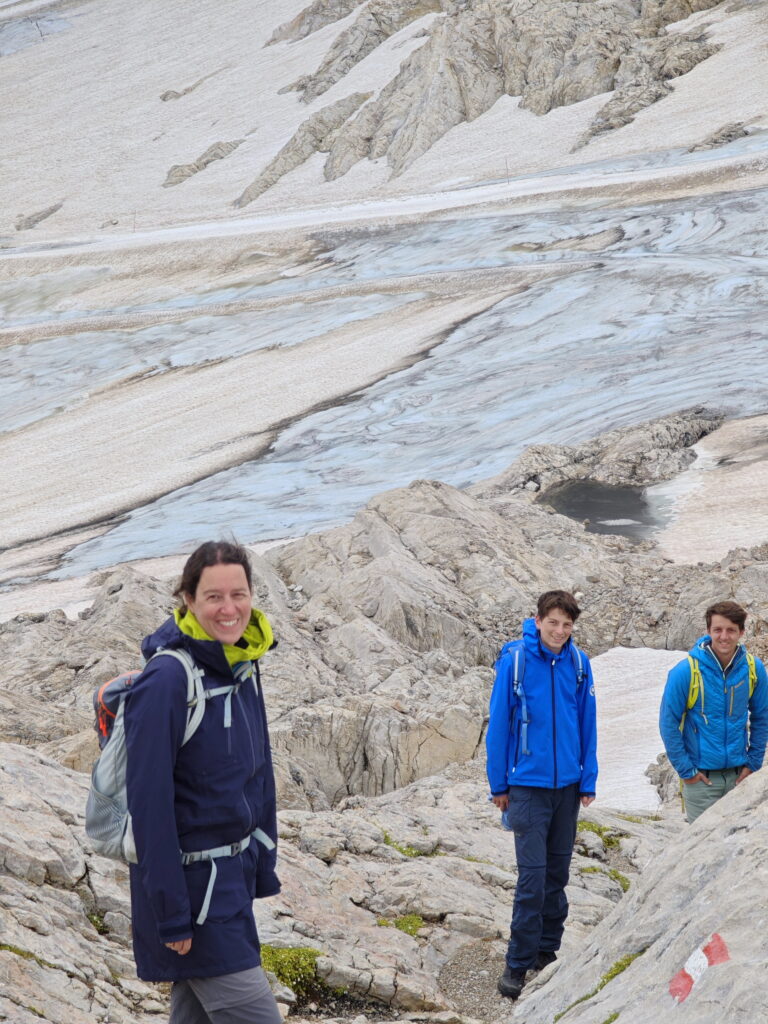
<point>578,664</point>
<point>752,672</point>
<point>195,689</point>
<point>518,672</point>
<point>695,687</point>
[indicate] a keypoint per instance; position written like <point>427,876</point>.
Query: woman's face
<point>222,602</point>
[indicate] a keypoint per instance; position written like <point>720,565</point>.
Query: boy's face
<point>555,628</point>
<point>726,637</point>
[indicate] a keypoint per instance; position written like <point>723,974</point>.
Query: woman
<point>203,812</point>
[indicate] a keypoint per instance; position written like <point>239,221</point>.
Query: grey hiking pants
<point>241,998</point>
<point>699,796</point>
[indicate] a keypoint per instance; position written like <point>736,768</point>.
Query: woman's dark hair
<point>560,599</point>
<point>213,552</point>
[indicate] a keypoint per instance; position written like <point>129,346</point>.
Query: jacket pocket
<point>231,887</point>
<point>517,817</point>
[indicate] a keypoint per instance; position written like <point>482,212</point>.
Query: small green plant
<point>409,923</point>
<point>618,877</point>
<point>406,849</point>
<point>26,955</point>
<point>612,972</point>
<point>296,967</point>
<point>611,872</point>
<point>98,922</point>
<point>612,1018</point>
<point>609,836</point>
<point>640,819</point>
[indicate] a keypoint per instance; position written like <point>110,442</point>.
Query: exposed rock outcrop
<point>728,133</point>
<point>434,850</point>
<point>315,135</point>
<point>703,884</point>
<point>175,94</point>
<point>550,54</point>
<point>316,16</point>
<point>377,21</point>
<point>218,151</point>
<point>31,220</point>
<point>639,455</point>
<point>64,920</point>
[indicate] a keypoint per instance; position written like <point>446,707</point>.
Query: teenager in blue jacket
<point>542,765</point>
<point>720,740</point>
<point>203,812</point>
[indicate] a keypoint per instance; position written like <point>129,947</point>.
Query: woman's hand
<point>182,947</point>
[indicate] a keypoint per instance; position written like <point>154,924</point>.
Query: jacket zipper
<point>250,737</point>
<point>554,724</point>
<point>244,716</point>
<point>728,708</point>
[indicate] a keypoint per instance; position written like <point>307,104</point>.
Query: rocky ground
<point>393,863</point>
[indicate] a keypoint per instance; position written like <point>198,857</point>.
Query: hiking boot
<point>544,958</point>
<point>511,982</point>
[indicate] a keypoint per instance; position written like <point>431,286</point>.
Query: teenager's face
<point>555,628</point>
<point>222,602</point>
<point>726,637</point>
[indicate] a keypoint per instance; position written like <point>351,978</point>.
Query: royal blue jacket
<point>214,790</point>
<point>731,729</point>
<point>562,728</point>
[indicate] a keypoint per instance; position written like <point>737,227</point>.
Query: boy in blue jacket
<point>717,741</point>
<point>542,765</point>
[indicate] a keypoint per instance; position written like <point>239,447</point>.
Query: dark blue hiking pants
<point>544,823</point>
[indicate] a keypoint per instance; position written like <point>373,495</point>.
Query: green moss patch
<point>26,955</point>
<point>611,872</point>
<point>408,923</point>
<point>296,967</point>
<point>610,974</point>
<point>609,836</point>
<point>405,848</point>
<point>98,922</point>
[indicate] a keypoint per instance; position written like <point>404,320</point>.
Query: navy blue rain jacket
<point>562,729</point>
<point>725,728</point>
<point>214,790</point>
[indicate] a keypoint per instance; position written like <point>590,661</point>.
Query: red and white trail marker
<point>711,953</point>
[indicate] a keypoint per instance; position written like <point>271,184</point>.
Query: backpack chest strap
<point>216,691</point>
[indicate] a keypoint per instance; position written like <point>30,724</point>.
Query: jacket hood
<point>532,641</point>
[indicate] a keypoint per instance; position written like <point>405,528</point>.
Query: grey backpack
<point>107,821</point>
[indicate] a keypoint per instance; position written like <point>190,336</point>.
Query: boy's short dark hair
<point>729,610</point>
<point>561,599</point>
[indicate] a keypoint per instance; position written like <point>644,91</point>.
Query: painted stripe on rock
<point>710,954</point>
